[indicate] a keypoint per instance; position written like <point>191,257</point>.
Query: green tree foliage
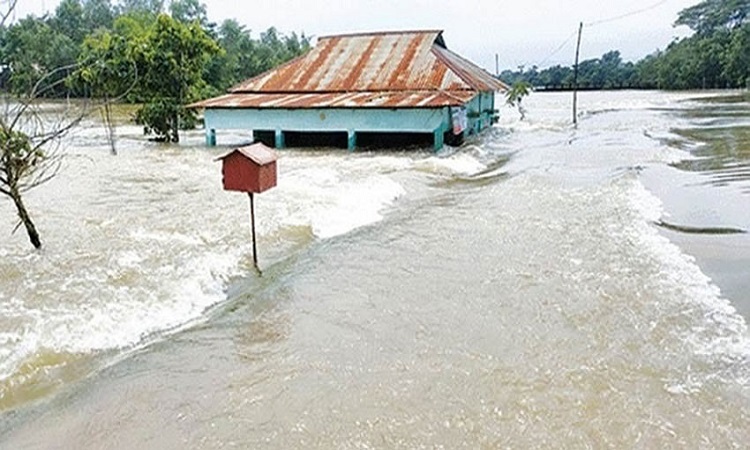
<point>28,157</point>
<point>716,56</point>
<point>712,15</point>
<point>515,95</point>
<point>187,11</point>
<point>28,153</point>
<point>129,50</point>
<point>132,52</point>
<point>68,20</point>
<point>170,59</point>
<point>77,19</point>
<point>718,60</point>
<point>39,58</point>
<point>152,7</point>
<point>106,67</point>
<point>98,14</point>
<point>124,51</point>
<point>18,160</point>
<point>275,48</point>
<point>736,58</point>
<point>133,25</point>
<point>236,61</point>
<point>34,46</point>
<point>246,57</point>
<point>607,72</point>
<point>106,71</point>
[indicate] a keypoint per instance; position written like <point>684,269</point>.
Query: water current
<point>546,286</point>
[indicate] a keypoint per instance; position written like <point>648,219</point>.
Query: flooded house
<point>362,90</point>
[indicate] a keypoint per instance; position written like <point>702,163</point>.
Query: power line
<point>628,14</point>
<point>558,49</point>
<point>600,22</point>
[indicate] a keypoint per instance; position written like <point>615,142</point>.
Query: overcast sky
<point>530,32</point>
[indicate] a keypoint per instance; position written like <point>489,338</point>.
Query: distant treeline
<point>716,56</point>
<point>161,56</point>
<point>53,47</point>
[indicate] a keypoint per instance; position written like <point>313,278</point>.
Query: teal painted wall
<point>339,119</point>
<point>480,110</point>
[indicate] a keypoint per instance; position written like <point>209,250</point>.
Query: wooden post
<point>252,224</point>
<point>575,76</point>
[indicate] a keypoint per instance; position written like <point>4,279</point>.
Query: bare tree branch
<point>30,139</point>
<point>7,7</point>
<point>31,133</point>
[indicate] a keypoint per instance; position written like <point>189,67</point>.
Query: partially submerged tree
<point>516,93</point>
<point>29,149</point>
<point>112,50</point>
<point>29,138</point>
<point>170,61</point>
<point>107,73</point>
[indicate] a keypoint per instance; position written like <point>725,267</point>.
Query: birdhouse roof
<point>257,152</point>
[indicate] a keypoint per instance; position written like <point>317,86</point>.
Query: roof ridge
<point>380,33</point>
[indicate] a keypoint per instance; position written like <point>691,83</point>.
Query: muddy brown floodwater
<point>544,287</point>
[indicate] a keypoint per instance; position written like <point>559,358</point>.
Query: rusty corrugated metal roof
<point>387,70</point>
<point>474,76</point>
<point>401,99</point>
<point>407,60</point>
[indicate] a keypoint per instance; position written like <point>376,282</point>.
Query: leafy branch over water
<point>514,96</point>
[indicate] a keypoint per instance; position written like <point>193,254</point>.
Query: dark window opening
<point>266,137</point>
<point>394,140</point>
<point>315,139</point>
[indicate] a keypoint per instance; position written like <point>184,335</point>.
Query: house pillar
<point>438,140</point>
<point>351,140</point>
<point>211,137</point>
<point>481,112</point>
<point>279,141</point>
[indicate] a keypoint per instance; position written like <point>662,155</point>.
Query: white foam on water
<point>119,316</point>
<point>331,203</point>
<point>512,122</point>
<point>162,237</point>
<point>721,330</point>
<point>158,276</point>
<point>463,163</point>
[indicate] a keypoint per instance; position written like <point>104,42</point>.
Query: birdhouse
<point>249,169</point>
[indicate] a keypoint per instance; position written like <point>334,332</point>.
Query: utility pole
<point>575,76</point>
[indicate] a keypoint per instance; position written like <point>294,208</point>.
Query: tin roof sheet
<point>404,99</point>
<point>387,70</point>
<point>474,76</point>
<point>407,60</point>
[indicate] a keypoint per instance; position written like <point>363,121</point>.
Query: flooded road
<point>544,287</point>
